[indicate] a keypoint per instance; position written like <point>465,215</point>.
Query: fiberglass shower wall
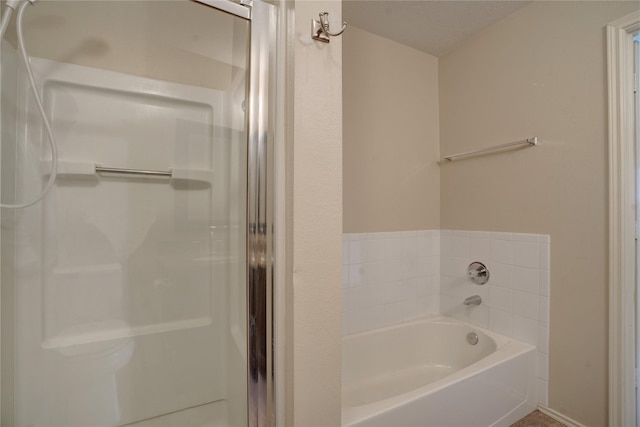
<point>124,295</point>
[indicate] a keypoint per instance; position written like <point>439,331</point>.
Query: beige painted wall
<point>541,72</point>
<point>316,238</point>
<point>390,130</point>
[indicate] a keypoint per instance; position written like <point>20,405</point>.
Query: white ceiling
<point>434,27</point>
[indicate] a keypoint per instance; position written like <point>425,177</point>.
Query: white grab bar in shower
<point>145,172</point>
<point>91,170</point>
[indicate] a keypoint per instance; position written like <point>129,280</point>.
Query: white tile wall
<point>515,301</point>
<point>389,278</point>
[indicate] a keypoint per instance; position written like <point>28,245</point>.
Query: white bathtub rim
<point>500,340</point>
<point>507,349</point>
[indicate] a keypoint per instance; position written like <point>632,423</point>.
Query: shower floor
<point>209,415</point>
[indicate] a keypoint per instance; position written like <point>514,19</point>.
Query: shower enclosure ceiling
<point>124,292</point>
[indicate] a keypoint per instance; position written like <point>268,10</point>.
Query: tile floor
<point>537,419</point>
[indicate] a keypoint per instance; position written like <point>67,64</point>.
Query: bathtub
<point>426,373</point>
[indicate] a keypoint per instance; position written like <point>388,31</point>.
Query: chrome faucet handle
<point>478,273</point>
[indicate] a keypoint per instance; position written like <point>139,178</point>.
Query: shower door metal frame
<point>260,221</point>
<point>260,200</point>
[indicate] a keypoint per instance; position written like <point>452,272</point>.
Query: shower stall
<point>138,291</point>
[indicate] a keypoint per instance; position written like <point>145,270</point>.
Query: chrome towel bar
<point>529,141</point>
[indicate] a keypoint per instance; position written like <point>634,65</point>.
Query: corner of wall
<point>316,220</point>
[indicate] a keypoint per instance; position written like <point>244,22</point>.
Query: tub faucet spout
<point>474,300</point>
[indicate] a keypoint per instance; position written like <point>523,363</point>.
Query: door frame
<point>622,222</point>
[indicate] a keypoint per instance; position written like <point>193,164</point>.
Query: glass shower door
<point>124,291</point>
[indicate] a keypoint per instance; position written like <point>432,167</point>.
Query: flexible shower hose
<point>25,59</point>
